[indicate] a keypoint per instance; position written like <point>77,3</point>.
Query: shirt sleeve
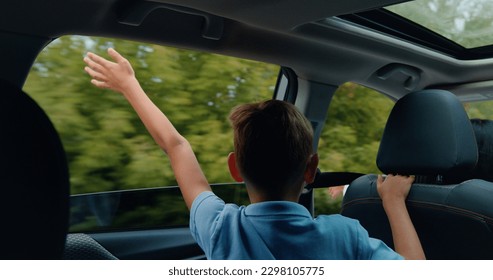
<point>205,219</point>
<point>380,251</point>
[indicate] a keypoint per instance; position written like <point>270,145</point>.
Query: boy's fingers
<point>411,179</point>
<point>99,84</point>
<point>98,59</point>
<point>379,179</point>
<point>95,75</point>
<point>93,65</point>
<point>115,55</point>
<point>90,71</point>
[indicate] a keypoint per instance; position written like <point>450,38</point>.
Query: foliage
<point>480,110</point>
<point>463,21</point>
<point>353,129</point>
<point>107,146</point>
<point>325,204</point>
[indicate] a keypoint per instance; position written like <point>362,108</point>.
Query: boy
<point>273,156</point>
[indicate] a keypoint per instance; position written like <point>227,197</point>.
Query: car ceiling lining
<point>319,56</point>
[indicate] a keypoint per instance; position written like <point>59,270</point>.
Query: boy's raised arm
<point>120,77</point>
<point>393,190</point>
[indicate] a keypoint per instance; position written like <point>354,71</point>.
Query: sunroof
<point>469,23</point>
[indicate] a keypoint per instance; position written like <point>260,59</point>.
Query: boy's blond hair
<point>273,142</point>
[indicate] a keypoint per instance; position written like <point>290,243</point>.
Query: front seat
<point>34,180</point>
<point>429,135</point>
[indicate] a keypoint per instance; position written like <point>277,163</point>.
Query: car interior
<point>318,46</point>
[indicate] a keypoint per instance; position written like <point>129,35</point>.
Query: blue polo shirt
<point>278,230</point>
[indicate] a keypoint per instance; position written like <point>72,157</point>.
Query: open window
<point>120,179</point>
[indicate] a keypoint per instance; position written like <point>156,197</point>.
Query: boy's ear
<point>311,169</point>
<point>233,169</point>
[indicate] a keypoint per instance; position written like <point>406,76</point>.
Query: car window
<point>351,136</point>
<point>160,207</point>
<point>467,23</point>
<point>479,110</point>
<point>108,149</point>
<point>353,129</point>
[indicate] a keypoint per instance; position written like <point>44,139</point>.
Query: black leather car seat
<point>34,180</point>
<point>428,134</point>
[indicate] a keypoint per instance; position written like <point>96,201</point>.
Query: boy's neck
<point>256,196</point>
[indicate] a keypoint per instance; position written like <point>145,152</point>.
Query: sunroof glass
<point>466,22</point>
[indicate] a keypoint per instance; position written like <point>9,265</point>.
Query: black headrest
<point>428,133</point>
<point>34,180</point>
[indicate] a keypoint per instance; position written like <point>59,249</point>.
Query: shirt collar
<point>269,208</point>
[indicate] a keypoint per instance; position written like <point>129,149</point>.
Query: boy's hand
<point>118,76</point>
<point>393,191</point>
<point>394,187</point>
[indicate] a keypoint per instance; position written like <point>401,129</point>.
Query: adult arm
<point>118,75</point>
<point>393,191</point>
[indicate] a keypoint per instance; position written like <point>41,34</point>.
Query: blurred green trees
<point>353,129</point>
<point>463,21</point>
<point>107,146</point>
